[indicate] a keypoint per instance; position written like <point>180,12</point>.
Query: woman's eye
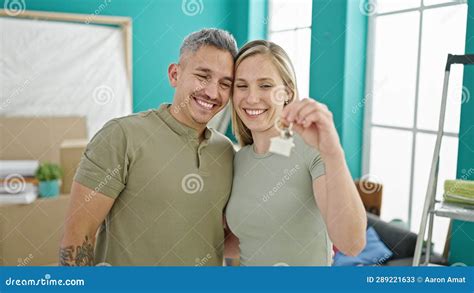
<point>266,86</point>
<point>241,86</point>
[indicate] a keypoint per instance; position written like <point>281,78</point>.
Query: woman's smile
<point>254,113</point>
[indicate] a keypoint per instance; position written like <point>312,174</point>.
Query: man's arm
<point>87,210</point>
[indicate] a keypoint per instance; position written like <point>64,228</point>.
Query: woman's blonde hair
<point>283,64</point>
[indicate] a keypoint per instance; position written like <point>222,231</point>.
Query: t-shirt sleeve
<point>104,164</point>
<point>314,162</point>
<point>316,167</point>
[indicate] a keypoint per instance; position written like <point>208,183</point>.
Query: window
<point>408,43</point>
<point>290,27</point>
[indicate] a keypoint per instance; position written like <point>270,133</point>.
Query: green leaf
<point>48,171</point>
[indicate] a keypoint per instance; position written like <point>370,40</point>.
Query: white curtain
<point>50,68</point>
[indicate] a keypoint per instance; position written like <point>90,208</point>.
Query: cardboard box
<point>30,234</point>
<point>38,138</point>
<point>371,195</point>
<point>70,154</point>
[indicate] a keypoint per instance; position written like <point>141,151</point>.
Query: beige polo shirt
<point>169,190</point>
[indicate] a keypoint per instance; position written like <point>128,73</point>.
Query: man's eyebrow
<point>207,70</point>
<point>228,78</point>
<point>260,79</point>
<point>204,69</point>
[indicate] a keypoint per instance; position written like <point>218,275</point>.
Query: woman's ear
<point>289,96</point>
<point>173,74</point>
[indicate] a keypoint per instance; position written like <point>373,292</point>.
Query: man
<point>153,185</point>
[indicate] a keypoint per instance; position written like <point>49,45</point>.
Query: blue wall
<point>158,30</point>
<point>462,241</point>
<point>337,71</point>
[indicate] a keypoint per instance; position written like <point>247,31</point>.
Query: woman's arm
<point>335,192</point>
<point>231,243</point>
<point>341,206</point>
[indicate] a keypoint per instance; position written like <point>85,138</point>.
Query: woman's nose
<point>253,97</point>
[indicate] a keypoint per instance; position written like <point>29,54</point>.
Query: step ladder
<point>432,207</point>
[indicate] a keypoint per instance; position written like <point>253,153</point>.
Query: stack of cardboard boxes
<point>30,234</point>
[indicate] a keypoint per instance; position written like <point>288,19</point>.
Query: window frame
<point>292,29</point>
<point>369,86</point>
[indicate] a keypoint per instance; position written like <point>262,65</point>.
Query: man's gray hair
<point>218,38</point>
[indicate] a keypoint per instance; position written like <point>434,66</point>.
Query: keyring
<point>283,144</point>
<point>284,132</point>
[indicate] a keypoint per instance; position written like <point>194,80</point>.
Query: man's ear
<point>173,74</point>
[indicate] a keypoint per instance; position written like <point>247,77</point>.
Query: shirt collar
<point>179,128</point>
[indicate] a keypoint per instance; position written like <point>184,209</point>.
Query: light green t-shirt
<point>170,190</point>
<point>272,209</point>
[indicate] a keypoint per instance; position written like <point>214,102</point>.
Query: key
<point>283,144</point>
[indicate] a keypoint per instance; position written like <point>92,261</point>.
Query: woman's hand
<point>314,123</point>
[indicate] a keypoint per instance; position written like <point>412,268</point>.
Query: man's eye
<point>201,76</point>
<point>225,85</point>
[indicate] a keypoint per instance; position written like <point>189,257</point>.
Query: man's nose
<point>211,89</point>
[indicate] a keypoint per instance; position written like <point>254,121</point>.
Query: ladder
<point>432,207</point>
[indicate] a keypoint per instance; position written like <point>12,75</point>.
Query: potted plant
<point>49,177</point>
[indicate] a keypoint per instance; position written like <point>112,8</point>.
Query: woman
<point>287,210</point>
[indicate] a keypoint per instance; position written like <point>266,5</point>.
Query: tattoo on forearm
<point>81,255</point>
